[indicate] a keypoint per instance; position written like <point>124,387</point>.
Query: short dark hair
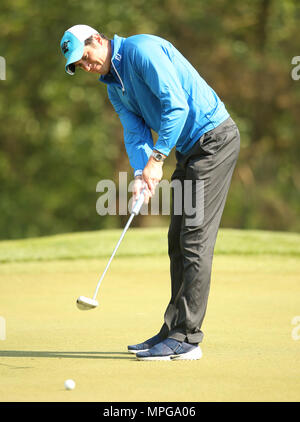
<point>90,40</point>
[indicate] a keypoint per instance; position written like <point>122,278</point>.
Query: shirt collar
<point>116,58</point>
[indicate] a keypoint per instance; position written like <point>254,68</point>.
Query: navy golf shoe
<point>170,349</point>
<point>143,347</point>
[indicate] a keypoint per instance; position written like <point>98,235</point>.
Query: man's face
<point>95,57</point>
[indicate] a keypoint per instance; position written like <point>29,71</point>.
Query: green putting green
<point>249,350</point>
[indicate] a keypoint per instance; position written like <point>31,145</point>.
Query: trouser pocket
<point>215,139</point>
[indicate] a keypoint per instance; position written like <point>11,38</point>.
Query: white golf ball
<point>69,385</point>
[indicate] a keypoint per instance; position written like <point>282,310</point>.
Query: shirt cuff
<point>138,173</point>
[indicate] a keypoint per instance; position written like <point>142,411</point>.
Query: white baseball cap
<point>72,44</point>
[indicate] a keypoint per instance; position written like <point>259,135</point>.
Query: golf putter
<point>85,303</point>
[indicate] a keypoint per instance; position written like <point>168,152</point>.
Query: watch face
<point>158,156</point>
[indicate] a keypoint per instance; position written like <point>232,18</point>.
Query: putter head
<point>85,303</point>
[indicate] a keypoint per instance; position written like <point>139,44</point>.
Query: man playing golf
<point>152,86</point>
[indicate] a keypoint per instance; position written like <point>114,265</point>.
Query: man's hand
<point>152,174</point>
<point>149,179</point>
<point>138,186</point>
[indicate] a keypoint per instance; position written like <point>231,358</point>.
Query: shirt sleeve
<point>137,135</point>
<point>154,66</point>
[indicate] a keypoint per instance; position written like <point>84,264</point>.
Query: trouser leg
<point>191,246</point>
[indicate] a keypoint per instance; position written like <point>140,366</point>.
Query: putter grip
<point>139,203</point>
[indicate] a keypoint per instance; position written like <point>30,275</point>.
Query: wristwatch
<point>158,156</point>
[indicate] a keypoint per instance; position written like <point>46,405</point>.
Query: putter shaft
<point>134,212</point>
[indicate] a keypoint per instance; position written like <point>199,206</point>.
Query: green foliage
<point>59,135</point>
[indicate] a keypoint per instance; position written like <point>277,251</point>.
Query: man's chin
<point>98,71</point>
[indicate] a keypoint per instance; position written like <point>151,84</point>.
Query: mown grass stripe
<point>142,242</point>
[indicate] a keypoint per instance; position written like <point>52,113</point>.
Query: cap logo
<point>65,47</point>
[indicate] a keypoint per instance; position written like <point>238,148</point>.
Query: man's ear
<point>98,38</point>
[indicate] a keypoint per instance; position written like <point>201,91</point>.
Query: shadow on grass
<point>62,355</point>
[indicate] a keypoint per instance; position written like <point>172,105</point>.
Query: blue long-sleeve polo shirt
<point>151,85</point>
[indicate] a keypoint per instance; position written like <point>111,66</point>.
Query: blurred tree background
<point>59,135</point>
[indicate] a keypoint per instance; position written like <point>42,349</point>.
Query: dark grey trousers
<point>211,162</point>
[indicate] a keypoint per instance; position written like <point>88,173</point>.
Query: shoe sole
<point>194,354</point>
<point>137,351</point>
